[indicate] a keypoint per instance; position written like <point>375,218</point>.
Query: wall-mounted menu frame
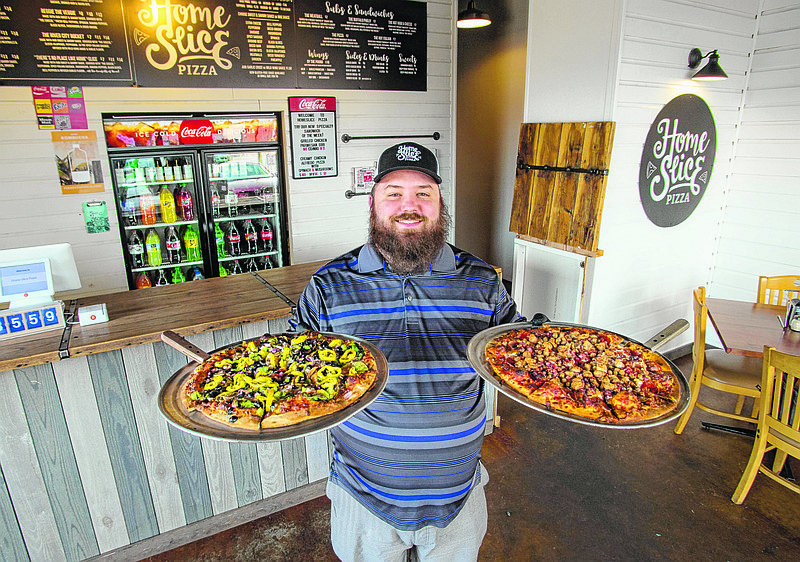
<point>78,43</point>
<point>379,45</point>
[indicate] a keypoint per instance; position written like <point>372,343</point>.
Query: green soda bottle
<point>220,239</point>
<point>191,240</point>
<point>222,271</point>
<point>177,275</point>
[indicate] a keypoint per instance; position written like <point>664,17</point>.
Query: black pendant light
<point>711,71</point>
<point>472,17</point>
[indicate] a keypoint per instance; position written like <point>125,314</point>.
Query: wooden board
<point>557,206</point>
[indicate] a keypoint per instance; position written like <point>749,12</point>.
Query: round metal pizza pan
<point>477,358</point>
<point>171,406</point>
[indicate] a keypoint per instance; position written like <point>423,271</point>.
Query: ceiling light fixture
<point>711,71</point>
<point>472,17</point>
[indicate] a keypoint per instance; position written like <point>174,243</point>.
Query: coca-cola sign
<point>196,132</point>
<point>312,104</point>
<point>677,160</point>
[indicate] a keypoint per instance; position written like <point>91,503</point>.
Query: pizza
<point>588,373</point>
<point>280,380</point>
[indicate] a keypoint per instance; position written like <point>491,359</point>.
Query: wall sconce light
<point>711,71</point>
<point>472,17</point>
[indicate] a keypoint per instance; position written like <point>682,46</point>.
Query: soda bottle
<point>162,279</point>
<point>196,273</point>
<point>147,203</point>
<point>219,236</point>
<point>186,204</point>
<point>167,202</point>
<point>136,250</point>
<point>267,263</point>
<point>252,265</point>
<point>251,237</point>
<point>129,211</point>
<point>234,239</point>
<point>191,240</point>
<point>173,246</point>
<point>266,236</point>
<point>168,175</point>
<point>143,280</point>
<point>159,171</point>
<point>215,201</point>
<point>153,244</point>
<point>177,275</point>
<point>232,201</point>
<point>222,271</point>
<point>236,269</point>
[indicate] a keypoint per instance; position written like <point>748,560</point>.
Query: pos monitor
<point>30,276</point>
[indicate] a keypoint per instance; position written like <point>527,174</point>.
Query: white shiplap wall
<point>645,278</point>
<point>323,223</point>
<point>760,232</point>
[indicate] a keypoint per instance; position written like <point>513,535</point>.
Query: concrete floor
<point>565,491</point>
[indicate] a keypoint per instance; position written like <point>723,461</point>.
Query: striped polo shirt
<point>412,456</point>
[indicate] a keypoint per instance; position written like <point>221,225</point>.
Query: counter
<point>90,469</point>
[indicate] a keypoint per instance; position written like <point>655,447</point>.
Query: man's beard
<point>410,252</point>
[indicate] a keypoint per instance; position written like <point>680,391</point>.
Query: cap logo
<point>412,153</point>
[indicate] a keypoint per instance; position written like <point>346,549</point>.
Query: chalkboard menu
<point>377,45</point>
<point>70,42</point>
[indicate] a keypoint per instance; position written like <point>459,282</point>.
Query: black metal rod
<point>568,169</point>
<point>729,429</point>
<point>350,194</point>
<point>348,138</point>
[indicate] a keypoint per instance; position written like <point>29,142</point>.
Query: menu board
<point>375,45</point>
<point>313,129</point>
<point>217,43</point>
<point>380,45</point>
<point>75,42</point>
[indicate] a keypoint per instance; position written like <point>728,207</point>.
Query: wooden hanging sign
<point>562,170</point>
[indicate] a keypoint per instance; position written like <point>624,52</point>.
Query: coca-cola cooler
<point>198,195</point>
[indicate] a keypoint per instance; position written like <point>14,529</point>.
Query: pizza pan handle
<point>539,319</point>
<point>188,349</point>
<point>667,334</point>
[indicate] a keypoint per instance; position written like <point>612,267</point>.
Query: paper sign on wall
<point>313,130</point>
<point>78,161</point>
<point>59,107</point>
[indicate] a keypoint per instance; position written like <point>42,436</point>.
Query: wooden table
<point>744,328</point>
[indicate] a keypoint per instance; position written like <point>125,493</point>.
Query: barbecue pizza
<point>585,372</point>
<point>280,380</point>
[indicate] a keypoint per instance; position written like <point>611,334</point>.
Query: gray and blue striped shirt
<point>412,456</point>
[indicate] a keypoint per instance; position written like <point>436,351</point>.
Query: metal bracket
<point>434,136</point>
<point>63,347</point>
<point>567,169</point>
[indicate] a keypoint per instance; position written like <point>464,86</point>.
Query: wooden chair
<point>719,370</point>
<point>777,422</point>
<point>778,290</point>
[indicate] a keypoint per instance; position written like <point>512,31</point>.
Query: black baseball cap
<point>408,156</point>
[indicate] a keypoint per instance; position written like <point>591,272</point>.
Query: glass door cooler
<point>246,209</point>
<point>160,216</point>
<point>198,195</point>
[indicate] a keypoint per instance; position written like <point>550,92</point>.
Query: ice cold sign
<point>677,160</point>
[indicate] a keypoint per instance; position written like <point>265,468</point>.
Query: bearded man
<point>406,480</point>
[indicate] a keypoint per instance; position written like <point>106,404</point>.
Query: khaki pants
<point>359,536</point>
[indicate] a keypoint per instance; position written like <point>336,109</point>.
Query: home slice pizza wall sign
<point>677,160</point>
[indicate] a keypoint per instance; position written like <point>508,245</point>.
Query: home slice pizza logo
<point>677,160</point>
